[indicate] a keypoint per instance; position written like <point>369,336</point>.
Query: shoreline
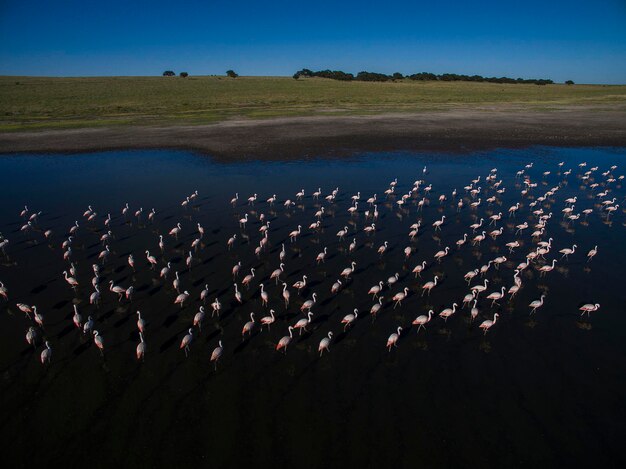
<point>452,131</point>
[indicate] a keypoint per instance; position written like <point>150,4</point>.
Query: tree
<point>231,74</point>
<point>397,76</point>
<point>184,74</point>
<point>569,82</point>
<point>168,73</point>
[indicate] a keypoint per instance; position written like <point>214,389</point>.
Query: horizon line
<point>287,76</point>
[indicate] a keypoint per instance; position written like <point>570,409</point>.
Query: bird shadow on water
<point>171,319</point>
<point>121,322</point>
<point>61,304</point>
<point>65,331</point>
<point>155,290</point>
<point>38,289</point>
<point>81,348</point>
<point>242,345</point>
<point>168,343</point>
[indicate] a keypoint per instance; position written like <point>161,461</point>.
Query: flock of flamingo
<point>480,197</point>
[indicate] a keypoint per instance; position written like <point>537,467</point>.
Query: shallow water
<point>540,390</point>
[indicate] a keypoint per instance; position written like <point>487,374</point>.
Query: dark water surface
<point>536,391</point>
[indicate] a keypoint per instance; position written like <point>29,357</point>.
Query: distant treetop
<point>231,74</point>
<point>569,82</point>
<point>168,73</point>
<point>184,74</point>
<point>423,76</point>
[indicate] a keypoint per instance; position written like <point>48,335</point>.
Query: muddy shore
<point>301,137</point>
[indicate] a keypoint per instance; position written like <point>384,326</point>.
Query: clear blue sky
<point>580,40</point>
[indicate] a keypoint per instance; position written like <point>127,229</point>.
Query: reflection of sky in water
<point>545,389</point>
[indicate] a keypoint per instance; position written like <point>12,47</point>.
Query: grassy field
<point>43,103</point>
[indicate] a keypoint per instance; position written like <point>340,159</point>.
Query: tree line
<point>170,73</point>
<point>424,76</point>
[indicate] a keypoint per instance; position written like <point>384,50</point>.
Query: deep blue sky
<point>580,40</point>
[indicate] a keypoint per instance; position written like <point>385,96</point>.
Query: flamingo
<point>46,354</point>
<point>217,353</point>
<point>300,284</point>
<point>441,254</point>
<point>588,308</point>
<point>348,270</point>
<point>94,298</point>
<point>117,289</point>
<point>462,241</point>
<point>536,304</point>
<point>349,318</point>
<point>393,279</point>
<point>248,327</point>
<point>141,324</point>
<point>393,338</point>
<point>376,307</point>
<point>428,286</point>
<point>474,311</point>
<point>418,269</point>
<point>217,306</point>
<point>294,234</point>
<point>277,272</point>
<point>308,304</point>
<point>198,318</point>
<point>184,344</point>
<point>141,348</point>
<point>547,268</point>
<point>370,229</point>
<point>422,320</point>
<point>180,299</point>
<point>487,324</point>
<point>70,280</point>
<point>566,251</point>
<point>31,336</point>
<point>446,313</point>
<point>499,260</point>
<point>238,295</point>
<point>176,231</point>
<point>321,256</point>
<point>495,296</point>
<point>284,341</point>
<point>248,278</point>
<point>268,320</point>
<point>286,295</point>
<point>398,297</point>
<point>99,341</point>
<point>383,248</point>
<point>467,299</point>
<point>325,343</point>
<point>592,253</point>
<point>151,259</point>
<point>342,233</point>
<point>376,289</point>
<point>76,318</point>
<point>302,323</point>
<point>176,282</point>
<point>204,294</point>
<point>475,226</point>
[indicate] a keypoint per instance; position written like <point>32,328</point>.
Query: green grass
<point>56,103</point>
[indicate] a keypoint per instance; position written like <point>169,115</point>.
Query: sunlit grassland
<point>28,103</point>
